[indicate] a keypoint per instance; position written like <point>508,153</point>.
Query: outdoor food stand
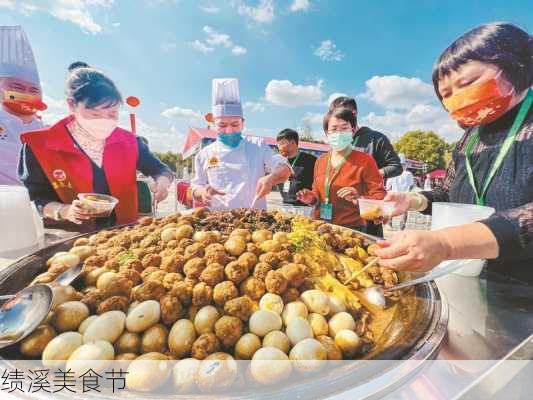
<point>231,285</point>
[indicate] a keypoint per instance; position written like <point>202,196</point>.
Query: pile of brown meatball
<point>245,218</point>
<point>187,262</point>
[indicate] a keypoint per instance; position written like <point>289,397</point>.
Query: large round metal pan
<point>415,333</point>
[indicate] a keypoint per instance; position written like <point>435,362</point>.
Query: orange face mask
<point>22,103</point>
<point>479,104</point>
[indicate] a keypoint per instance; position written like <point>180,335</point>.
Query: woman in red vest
<point>87,153</point>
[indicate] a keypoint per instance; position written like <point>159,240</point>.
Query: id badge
<point>326,211</point>
<point>286,186</point>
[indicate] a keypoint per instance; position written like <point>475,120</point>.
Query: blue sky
<point>289,55</point>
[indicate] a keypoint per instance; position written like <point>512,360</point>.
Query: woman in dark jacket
<point>484,81</point>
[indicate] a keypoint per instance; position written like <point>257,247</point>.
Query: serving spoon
<point>376,294</point>
<point>23,313</point>
<point>25,310</point>
<point>64,279</point>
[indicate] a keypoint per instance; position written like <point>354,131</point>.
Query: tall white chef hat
<point>226,98</point>
<point>16,56</point>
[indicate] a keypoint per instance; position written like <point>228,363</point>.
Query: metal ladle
<point>70,275</point>
<point>23,313</point>
<point>25,310</point>
<point>376,294</point>
<point>64,279</point>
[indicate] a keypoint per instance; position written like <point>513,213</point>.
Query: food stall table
<point>490,326</point>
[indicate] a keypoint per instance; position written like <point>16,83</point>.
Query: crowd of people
<point>483,79</point>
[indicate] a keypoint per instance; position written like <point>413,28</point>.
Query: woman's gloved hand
<point>205,194</point>
<point>306,196</point>
<point>75,212</point>
<point>413,251</point>
<point>349,194</point>
<point>160,188</point>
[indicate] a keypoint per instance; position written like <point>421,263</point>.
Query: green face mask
<point>230,139</point>
<point>339,140</point>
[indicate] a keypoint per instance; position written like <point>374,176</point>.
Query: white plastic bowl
<point>371,210</point>
<point>100,205</point>
<point>302,210</point>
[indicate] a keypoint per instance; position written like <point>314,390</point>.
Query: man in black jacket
<point>302,163</point>
<point>372,142</point>
<point>377,145</point>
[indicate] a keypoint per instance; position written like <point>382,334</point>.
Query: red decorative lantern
<point>133,102</point>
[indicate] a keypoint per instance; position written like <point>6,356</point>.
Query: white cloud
<point>54,104</point>
<point>262,13</point>
<point>210,9</point>
<point>201,47</point>
<point>421,116</point>
<point>409,104</point>
<point>333,96</point>
<point>57,109</point>
<point>300,5</point>
<point>398,92</point>
<point>161,138</point>
<point>313,118</point>
<point>183,113</point>
<point>311,123</point>
<point>254,106</point>
<point>79,12</point>
<point>327,51</point>
<point>167,138</point>
<point>287,94</point>
<point>238,51</point>
<point>217,39</point>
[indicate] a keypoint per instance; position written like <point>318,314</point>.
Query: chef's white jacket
<point>235,172</point>
<point>401,183</point>
<point>11,127</point>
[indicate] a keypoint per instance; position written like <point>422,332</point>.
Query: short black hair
<point>343,113</point>
<point>344,101</point>
<point>77,64</point>
<point>92,87</point>
<point>288,134</point>
<point>503,44</point>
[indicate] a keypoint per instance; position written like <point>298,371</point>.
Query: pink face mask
<point>99,128</point>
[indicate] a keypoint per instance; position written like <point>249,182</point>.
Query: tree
<point>170,159</point>
<point>424,146</point>
<point>305,133</point>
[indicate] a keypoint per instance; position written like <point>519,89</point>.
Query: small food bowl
<point>375,210</point>
<point>286,209</point>
<point>100,205</point>
<point>302,210</point>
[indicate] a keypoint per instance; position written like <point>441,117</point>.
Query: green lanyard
<point>354,143</point>
<point>296,159</point>
<point>507,144</point>
<point>328,181</point>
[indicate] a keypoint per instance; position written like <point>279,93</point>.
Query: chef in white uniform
<point>20,98</point>
<point>234,172</point>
